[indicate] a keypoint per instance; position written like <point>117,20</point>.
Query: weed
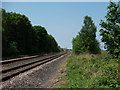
<point>91,71</point>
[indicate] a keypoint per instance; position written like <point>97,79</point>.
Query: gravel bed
<point>39,77</point>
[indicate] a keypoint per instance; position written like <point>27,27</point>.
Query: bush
<point>89,71</point>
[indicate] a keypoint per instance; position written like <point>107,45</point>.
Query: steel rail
<point>11,72</point>
<point>20,59</point>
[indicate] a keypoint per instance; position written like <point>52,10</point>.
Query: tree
<point>110,31</point>
<point>20,37</point>
<point>45,42</point>
<point>77,45</point>
<point>41,34</point>
<point>17,30</point>
<point>86,40</point>
<point>52,44</point>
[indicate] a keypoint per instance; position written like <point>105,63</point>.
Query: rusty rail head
<point>20,59</point>
<point>23,58</point>
<point>17,59</point>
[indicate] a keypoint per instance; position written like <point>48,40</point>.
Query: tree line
<point>19,37</point>
<point>86,41</point>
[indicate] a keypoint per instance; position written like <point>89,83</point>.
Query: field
<point>91,71</point>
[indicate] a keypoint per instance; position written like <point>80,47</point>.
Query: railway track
<point>11,68</point>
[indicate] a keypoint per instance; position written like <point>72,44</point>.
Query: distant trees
<point>86,40</point>
<point>41,38</point>
<point>45,42</point>
<point>20,37</point>
<point>110,31</point>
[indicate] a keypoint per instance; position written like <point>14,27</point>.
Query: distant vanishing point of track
<point>11,68</point>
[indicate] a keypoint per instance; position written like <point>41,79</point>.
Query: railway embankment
<point>41,76</point>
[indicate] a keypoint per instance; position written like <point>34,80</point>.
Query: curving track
<point>11,68</point>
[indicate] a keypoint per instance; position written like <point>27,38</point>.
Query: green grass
<point>91,71</point>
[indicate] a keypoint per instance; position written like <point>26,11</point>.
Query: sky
<point>58,0</point>
<point>63,20</point>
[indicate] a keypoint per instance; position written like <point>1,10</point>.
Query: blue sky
<point>63,20</point>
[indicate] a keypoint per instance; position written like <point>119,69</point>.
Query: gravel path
<point>43,76</point>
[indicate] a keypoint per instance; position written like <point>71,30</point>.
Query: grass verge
<point>91,71</point>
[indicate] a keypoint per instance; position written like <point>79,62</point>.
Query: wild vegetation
<point>89,68</point>
<point>19,37</point>
<point>91,71</point>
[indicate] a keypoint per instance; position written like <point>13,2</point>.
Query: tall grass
<point>91,71</point>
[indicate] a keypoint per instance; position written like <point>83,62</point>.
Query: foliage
<point>86,40</point>
<point>110,31</point>
<point>41,34</point>
<point>77,45</point>
<point>91,71</point>
<point>52,44</point>
<point>46,42</point>
<point>19,37</point>
<point>17,28</point>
